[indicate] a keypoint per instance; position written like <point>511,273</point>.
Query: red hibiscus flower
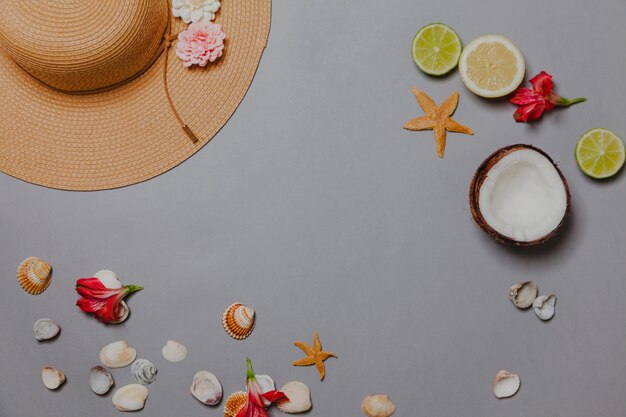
<point>102,301</point>
<point>255,406</point>
<point>533,103</point>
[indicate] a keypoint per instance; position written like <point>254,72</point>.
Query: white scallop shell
<point>100,380</point>
<point>523,294</point>
<point>505,384</point>
<point>117,354</point>
<point>143,371</point>
<point>108,279</point>
<point>130,397</point>
<point>52,378</point>
<point>298,398</point>
<point>544,306</point>
<point>174,351</point>
<point>377,406</point>
<point>267,384</point>
<point>46,329</point>
<point>206,388</point>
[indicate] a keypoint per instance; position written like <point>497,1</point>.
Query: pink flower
<point>533,103</point>
<point>255,406</point>
<point>201,43</point>
<point>102,301</point>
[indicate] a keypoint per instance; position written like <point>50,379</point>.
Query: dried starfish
<point>437,118</point>
<point>314,355</point>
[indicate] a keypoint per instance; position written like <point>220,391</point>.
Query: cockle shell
<point>235,403</point>
<point>523,294</point>
<point>505,384</point>
<point>544,306</point>
<point>143,371</point>
<point>130,397</point>
<point>52,378</point>
<point>108,279</point>
<point>238,320</point>
<point>46,329</point>
<point>298,398</point>
<point>100,380</point>
<point>117,354</point>
<point>377,406</point>
<point>34,275</point>
<point>206,388</point>
<point>174,351</point>
<point>267,384</point>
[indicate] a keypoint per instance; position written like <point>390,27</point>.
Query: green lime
<point>436,49</point>
<point>600,153</point>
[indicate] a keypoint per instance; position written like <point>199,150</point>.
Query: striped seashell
<point>34,275</point>
<point>298,398</point>
<point>238,321</point>
<point>235,403</point>
<point>143,371</point>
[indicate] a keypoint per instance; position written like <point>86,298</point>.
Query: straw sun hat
<point>93,96</point>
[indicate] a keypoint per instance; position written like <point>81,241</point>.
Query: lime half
<point>436,49</point>
<point>600,153</point>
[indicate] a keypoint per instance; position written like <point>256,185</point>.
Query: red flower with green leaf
<point>255,406</point>
<point>102,301</point>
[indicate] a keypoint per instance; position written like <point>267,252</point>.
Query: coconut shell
<point>474,194</point>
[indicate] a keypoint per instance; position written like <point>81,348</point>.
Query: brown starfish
<point>437,118</point>
<point>314,355</point>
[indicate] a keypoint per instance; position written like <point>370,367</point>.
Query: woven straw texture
<point>126,134</point>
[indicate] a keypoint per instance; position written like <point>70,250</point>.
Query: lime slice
<point>600,153</point>
<point>436,49</point>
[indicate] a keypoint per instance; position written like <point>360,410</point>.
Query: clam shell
<point>108,279</point>
<point>46,329</point>
<point>52,378</point>
<point>100,380</point>
<point>235,403</point>
<point>174,351</point>
<point>267,384</point>
<point>298,398</point>
<point>117,354</point>
<point>206,388</point>
<point>505,384</point>
<point>130,397</point>
<point>377,406</point>
<point>34,275</point>
<point>523,294</point>
<point>544,306</point>
<point>143,371</point>
<point>123,311</point>
<point>238,320</point>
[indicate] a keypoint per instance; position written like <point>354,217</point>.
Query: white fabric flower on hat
<point>195,10</point>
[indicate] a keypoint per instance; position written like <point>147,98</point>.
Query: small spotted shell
<point>235,403</point>
<point>238,321</point>
<point>34,275</point>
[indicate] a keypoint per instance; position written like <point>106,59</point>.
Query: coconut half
<point>519,196</point>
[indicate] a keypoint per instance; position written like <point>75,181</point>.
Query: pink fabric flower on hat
<point>201,43</point>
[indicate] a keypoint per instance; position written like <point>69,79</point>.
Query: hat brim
<point>129,134</point>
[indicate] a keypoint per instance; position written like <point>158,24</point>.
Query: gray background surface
<point>315,207</point>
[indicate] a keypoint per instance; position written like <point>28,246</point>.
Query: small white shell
<point>100,380</point>
<point>544,306</point>
<point>108,279</point>
<point>123,311</point>
<point>377,406</point>
<point>523,294</point>
<point>52,378</point>
<point>299,398</point>
<point>117,354</point>
<point>267,384</point>
<point>46,329</point>
<point>505,384</point>
<point>206,388</point>
<point>143,371</point>
<point>174,351</point>
<point>130,397</point>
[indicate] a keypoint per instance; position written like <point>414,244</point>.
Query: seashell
<point>123,311</point>
<point>206,388</point>
<point>174,351</point>
<point>377,406</point>
<point>108,279</point>
<point>235,403</point>
<point>298,398</point>
<point>523,294</point>
<point>267,384</point>
<point>131,397</point>
<point>117,354</point>
<point>544,306</point>
<point>144,371</point>
<point>100,380</point>
<point>238,321</point>
<point>46,329</point>
<point>52,378</point>
<point>34,275</point>
<point>505,384</point>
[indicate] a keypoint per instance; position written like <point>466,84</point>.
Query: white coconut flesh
<point>523,196</point>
